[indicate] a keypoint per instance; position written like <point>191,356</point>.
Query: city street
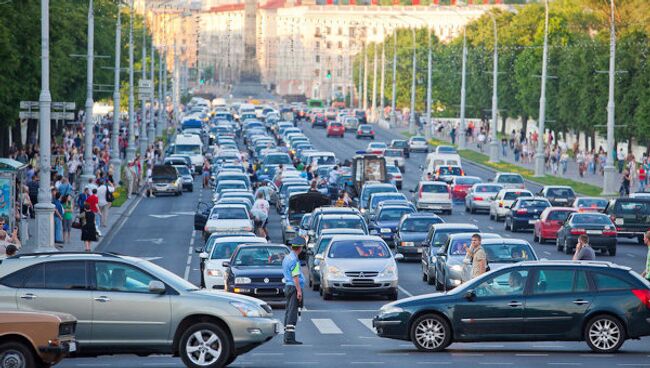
<point>340,331</point>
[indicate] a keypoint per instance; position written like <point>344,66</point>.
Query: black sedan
<point>528,301</point>
<point>256,270</point>
<point>412,231</point>
<point>558,195</point>
<point>525,212</point>
<point>401,144</point>
<point>598,227</point>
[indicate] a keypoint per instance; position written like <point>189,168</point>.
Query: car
<point>350,123</point>
<point>256,270</point>
<point>377,198</point>
<point>288,193</point>
<point>300,205</point>
<point>207,248</point>
<point>524,213</point>
<point>186,177</point>
<point>318,214</point>
<point>436,238</point>
<point>377,148</point>
<point>400,144</point>
<point>319,120</point>
<point>411,232</point>
<point>395,176</point>
<point>358,265</point>
<point>460,185</point>
<point>35,339</point>
<point>600,303</point>
<point>433,195</point>
<point>558,195</point>
<point>509,180</point>
<point>395,156</point>
<point>370,188</point>
<point>630,215</point>
<point>442,149</point>
<point>480,196</point>
<point>226,218</point>
<point>596,204</point>
<point>365,131</point>
<point>447,172</point>
<point>385,220</point>
<point>500,206</point>
<point>227,176</point>
<point>597,226</point>
<point>319,248</point>
<point>166,180</point>
<point>341,221</point>
<point>361,116</point>
<point>449,265</point>
<point>128,305</point>
<point>222,248</point>
<point>550,222</point>
<point>418,143</point>
<point>335,129</point>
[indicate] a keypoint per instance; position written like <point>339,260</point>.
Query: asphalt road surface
<point>339,332</point>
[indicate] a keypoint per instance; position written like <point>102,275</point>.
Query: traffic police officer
<point>293,285</point>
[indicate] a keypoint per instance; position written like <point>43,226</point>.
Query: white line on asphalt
<point>491,227</point>
<point>475,220</point>
<point>547,253</point>
<point>186,276</point>
<point>467,354</point>
<point>356,345</point>
<point>597,355</point>
<point>531,355</point>
<point>326,326</point>
<point>367,362</point>
<point>548,346</point>
<point>191,242</point>
<point>433,363</point>
<point>404,290</point>
<point>495,363</point>
<point>189,251</point>
<point>630,255</point>
<point>562,363</point>
<point>330,354</point>
<point>367,322</point>
<point>260,354</point>
<point>633,364</point>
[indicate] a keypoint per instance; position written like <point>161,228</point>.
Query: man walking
<point>293,284</point>
<point>476,256</point>
<point>584,252</point>
<point>646,240</point>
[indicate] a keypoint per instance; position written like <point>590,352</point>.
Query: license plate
<point>532,221</point>
<point>72,347</point>
<point>419,250</point>
<point>619,221</point>
<point>594,232</point>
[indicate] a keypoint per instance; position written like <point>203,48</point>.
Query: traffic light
<point>329,74</point>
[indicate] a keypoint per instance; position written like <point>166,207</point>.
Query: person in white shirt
<point>260,212</point>
<point>103,203</point>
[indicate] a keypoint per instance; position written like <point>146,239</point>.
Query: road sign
<point>145,83</point>
<point>69,106</point>
<point>29,105</point>
<point>144,96</point>
<point>28,114</point>
<point>58,115</point>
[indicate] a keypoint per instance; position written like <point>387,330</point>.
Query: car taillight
<point>420,193</point>
<point>643,295</point>
<point>609,232</point>
<point>578,231</point>
<point>372,132</point>
<point>522,211</point>
<point>478,198</point>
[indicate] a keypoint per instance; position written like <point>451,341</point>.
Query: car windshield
<point>365,128</point>
<point>306,218</point>
<point>323,160</point>
<point>336,125</point>
<point>188,149</point>
<point>487,189</point>
<point>560,192</point>
<point>393,169</point>
<point>393,214</point>
<point>228,213</point>
<point>447,170</point>
<point>439,238</point>
<point>323,243</point>
<point>399,144</point>
<point>591,219</point>
<point>260,256</point>
<point>376,199</point>
<point>434,188</point>
<point>446,149</point>
<point>558,215</point>
<point>223,250</point>
<point>591,202</point>
<point>221,187</point>
<point>393,153</point>
<point>183,170</point>
<point>467,180</point>
<point>358,249</point>
<point>458,246</point>
<point>534,203</point>
<point>419,225</point>
<point>343,223</point>
<point>277,159</point>
<point>368,191</point>
<point>510,196</point>
<point>418,139</point>
<point>508,253</point>
<point>510,179</point>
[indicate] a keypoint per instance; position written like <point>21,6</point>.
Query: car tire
<point>611,251</point>
<point>440,286</point>
<point>399,186</point>
<point>431,280</point>
<point>505,224</point>
<point>640,239</point>
<point>315,286</point>
<point>392,295</point>
<point>604,334</point>
<point>566,248</point>
<point>17,354</point>
<point>207,331</point>
<point>231,359</point>
<point>558,245</point>
<point>326,294</point>
<point>466,208</point>
<point>430,333</point>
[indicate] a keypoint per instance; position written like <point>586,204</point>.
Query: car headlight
<point>316,268</point>
<point>456,268</point>
<point>390,309</point>
<point>247,310</point>
<point>215,272</point>
<point>363,210</point>
<point>389,271</point>
<point>334,271</point>
<point>247,228</point>
<point>242,280</point>
<point>408,244</point>
<point>384,230</point>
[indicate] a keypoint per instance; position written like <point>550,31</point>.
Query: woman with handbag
<point>88,229</point>
<point>68,216</point>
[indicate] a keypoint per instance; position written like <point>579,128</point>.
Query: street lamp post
<point>494,145</point>
<point>152,127</point>
<point>412,113</point>
<point>88,166</point>
<point>394,81</point>
<point>539,155</point>
<point>143,116</point>
<point>161,116</point>
<point>115,136</point>
<point>463,78</point>
<point>130,150</point>
<point>365,78</point>
<point>609,179</point>
<point>383,77</point>
<point>44,209</point>
<point>374,82</point>
<point>360,102</point>
<point>427,130</point>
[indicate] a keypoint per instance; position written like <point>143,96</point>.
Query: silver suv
<point>129,305</point>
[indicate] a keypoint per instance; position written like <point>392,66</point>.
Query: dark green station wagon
<point>597,302</point>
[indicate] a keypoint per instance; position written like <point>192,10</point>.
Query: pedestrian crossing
<point>327,326</point>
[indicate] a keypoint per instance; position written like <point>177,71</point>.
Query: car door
<point>60,286</point>
<point>201,215</point>
<point>125,312</point>
<point>495,308</point>
<point>558,300</point>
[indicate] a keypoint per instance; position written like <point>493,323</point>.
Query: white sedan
<point>223,248</point>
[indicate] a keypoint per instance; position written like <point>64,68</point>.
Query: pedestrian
<point>11,251</point>
<point>58,218</point>
<point>620,160</point>
<point>476,257</point>
<point>340,202</point>
<point>88,229</point>
<point>93,202</point>
<point>260,212</point>
<point>646,240</point>
<point>6,241</point>
<point>130,178</point>
<point>642,177</point>
<point>105,195</point>
<point>148,180</point>
<point>584,251</point>
<point>68,217</point>
<point>294,282</point>
<point>206,173</point>
<point>564,162</point>
<point>625,183</point>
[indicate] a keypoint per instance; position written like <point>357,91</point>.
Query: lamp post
<point>365,78</point>
<point>161,111</point>
<point>130,150</point>
<point>539,154</point>
<point>374,82</point>
<point>412,129</point>
<point>427,130</point>
<point>383,77</point>
<point>360,102</point>
<point>609,179</point>
<point>88,166</point>
<point>115,136</point>
<point>44,209</point>
<point>152,128</point>
<point>494,145</point>
<point>394,81</point>
<point>143,111</point>
<point>461,135</point>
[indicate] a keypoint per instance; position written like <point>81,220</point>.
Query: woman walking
<point>88,229</point>
<point>68,216</point>
<point>206,174</point>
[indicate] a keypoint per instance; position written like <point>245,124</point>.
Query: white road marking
<point>547,253</point>
<point>562,363</point>
<point>356,345</point>
<point>156,241</point>
<point>404,290</point>
<point>326,326</point>
<point>163,216</point>
<point>367,322</point>
<point>630,255</point>
<point>491,227</point>
<point>496,363</point>
<point>633,364</point>
<point>475,220</point>
<point>265,354</point>
<point>467,354</point>
<point>433,363</point>
<point>330,354</point>
<point>531,355</point>
<point>367,362</point>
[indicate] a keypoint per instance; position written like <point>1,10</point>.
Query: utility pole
<point>176,86</point>
<point>115,136</point>
<point>494,145</point>
<point>143,117</point>
<point>360,102</point>
<point>427,130</point>
<point>152,127</point>
<point>461,135</point>
<point>44,209</point>
<point>412,129</point>
<point>130,150</point>
<point>88,166</point>
<point>394,92</point>
<point>161,115</point>
<point>374,82</point>
<point>164,95</point>
<point>609,180</point>
<point>365,78</point>
<point>383,77</point>
<point>539,154</point>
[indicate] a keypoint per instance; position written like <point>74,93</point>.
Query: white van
<point>434,160</point>
<point>191,145</point>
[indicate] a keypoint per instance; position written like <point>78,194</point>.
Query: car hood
<point>274,271</point>
<point>386,224</point>
<point>412,236</point>
<point>228,224</point>
<point>307,202</point>
<point>213,293</point>
<point>356,264</point>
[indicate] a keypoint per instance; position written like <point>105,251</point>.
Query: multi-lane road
<point>339,332</point>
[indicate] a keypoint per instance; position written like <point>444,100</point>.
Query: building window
<point>317,44</point>
<point>340,31</point>
<point>340,44</point>
<point>329,45</point>
<point>317,58</point>
<point>317,34</point>
<point>352,31</point>
<point>328,30</point>
<point>339,59</point>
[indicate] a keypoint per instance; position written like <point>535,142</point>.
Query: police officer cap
<point>298,242</point>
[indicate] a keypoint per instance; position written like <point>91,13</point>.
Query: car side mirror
<point>470,295</point>
<point>203,255</point>
<point>319,257</point>
<point>398,256</point>
<point>156,287</point>
<point>198,250</point>
<point>225,264</point>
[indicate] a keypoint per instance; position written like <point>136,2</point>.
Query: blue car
<point>385,220</point>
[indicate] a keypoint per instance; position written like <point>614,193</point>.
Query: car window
<point>228,214</point>
<point>633,208</point>
<point>64,275</point>
<point>590,219</point>
<point>434,188</point>
<point>558,215</point>
<point>439,238</point>
<point>506,284</point>
<point>508,253</point>
<point>342,223</point>
<point>112,276</point>
<point>322,245</point>
<point>393,214</point>
<point>560,192</point>
<point>17,279</point>
<point>466,180</point>
<point>551,281</point>
<point>223,250</point>
<point>446,170</point>
<point>581,283</point>
<point>487,188</point>
<point>534,203</point>
<point>260,256</point>
<point>608,282</point>
<point>510,179</point>
<point>514,195</point>
<point>358,249</point>
<point>591,202</point>
<point>458,246</point>
<point>420,225</point>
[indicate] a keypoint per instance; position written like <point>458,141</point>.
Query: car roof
<point>500,240</point>
<point>228,205</point>
<point>269,245</point>
<point>355,237</point>
<point>431,182</point>
<point>422,215</point>
<point>455,225</point>
<point>341,231</point>
<point>341,216</point>
<point>249,239</point>
<point>571,263</point>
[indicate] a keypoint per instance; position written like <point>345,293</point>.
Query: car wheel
<point>205,345</point>
<point>392,295</point>
<point>431,280</point>
<point>424,276</point>
<point>440,286</point>
<point>640,239</point>
<point>466,208</point>
<point>604,334</point>
<point>326,295</point>
<point>558,245</point>
<point>231,359</point>
<point>16,354</point>
<point>315,286</point>
<point>491,217</point>
<point>567,248</point>
<point>611,251</point>
<point>430,333</point>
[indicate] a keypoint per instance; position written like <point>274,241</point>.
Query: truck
<point>192,145</point>
<point>367,167</point>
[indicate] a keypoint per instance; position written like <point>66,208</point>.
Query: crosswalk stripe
<point>368,323</point>
<point>326,326</point>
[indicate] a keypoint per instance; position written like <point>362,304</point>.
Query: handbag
<point>109,195</point>
<point>76,224</point>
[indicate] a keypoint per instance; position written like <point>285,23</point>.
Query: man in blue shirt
<point>294,281</point>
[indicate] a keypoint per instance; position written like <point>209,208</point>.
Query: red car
<point>460,185</point>
<point>550,222</point>
<point>335,129</point>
